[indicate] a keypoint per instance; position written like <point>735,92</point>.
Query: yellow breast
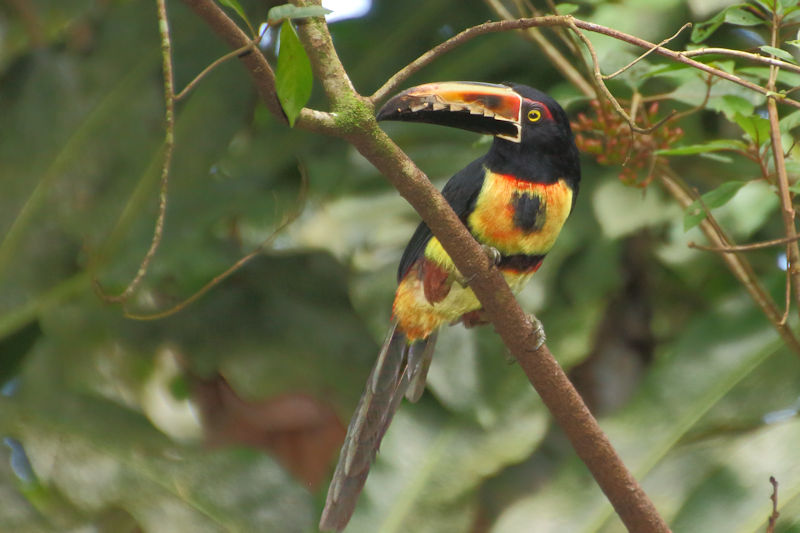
<point>494,222</point>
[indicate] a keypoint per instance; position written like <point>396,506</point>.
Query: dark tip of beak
<point>482,108</point>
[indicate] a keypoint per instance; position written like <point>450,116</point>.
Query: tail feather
<point>399,365</point>
<point>420,355</point>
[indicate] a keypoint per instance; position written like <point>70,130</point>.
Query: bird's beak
<point>480,107</point>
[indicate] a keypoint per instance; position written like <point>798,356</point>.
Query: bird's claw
<point>492,253</point>
<point>538,329</point>
<point>494,256</point>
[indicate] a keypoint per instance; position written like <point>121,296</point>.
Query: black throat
<point>544,159</point>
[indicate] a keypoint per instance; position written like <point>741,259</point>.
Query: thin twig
<point>787,299</point>
<point>197,79</point>
<point>787,209</point>
<point>757,58</point>
<point>702,105</point>
<point>680,58</point>
<point>773,517</point>
<point>457,40</point>
<point>555,20</point>
<point>743,247</point>
<point>736,263</point>
<point>557,59</point>
<point>709,216</point>
<point>288,219</point>
<point>644,55</point>
<point>601,86</point>
<point>169,144</point>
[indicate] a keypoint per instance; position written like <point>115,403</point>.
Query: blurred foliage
<point>103,427</point>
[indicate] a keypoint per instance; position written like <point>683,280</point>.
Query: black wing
<point>460,191</point>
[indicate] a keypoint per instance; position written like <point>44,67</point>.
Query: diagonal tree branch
<point>512,324</point>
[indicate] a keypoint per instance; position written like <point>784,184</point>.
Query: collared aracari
<point>514,200</point>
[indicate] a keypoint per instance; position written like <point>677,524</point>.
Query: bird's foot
<point>492,253</point>
<point>538,329</point>
<point>494,256</point>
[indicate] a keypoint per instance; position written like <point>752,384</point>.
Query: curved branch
<point>557,59</point>
<point>556,20</point>
<point>457,40</point>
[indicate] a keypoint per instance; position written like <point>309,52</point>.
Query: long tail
<point>401,369</point>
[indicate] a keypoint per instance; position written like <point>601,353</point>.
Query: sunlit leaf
<point>293,75</point>
<point>430,465</point>
<point>731,105</point>
<point>566,9</point>
<point>735,14</point>
<point>718,197</point>
<point>711,146</point>
<point>754,126</point>
<point>777,52</point>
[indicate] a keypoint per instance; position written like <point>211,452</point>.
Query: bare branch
<point>662,43</point>
<point>558,60</point>
<point>773,517</point>
<point>787,209</point>
<point>757,58</point>
<point>197,79</point>
<point>555,20</point>
<point>744,247</point>
<point>679,57</point>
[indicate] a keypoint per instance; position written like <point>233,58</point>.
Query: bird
<point>514,200</point>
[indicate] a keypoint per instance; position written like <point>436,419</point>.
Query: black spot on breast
<point>529,212</point>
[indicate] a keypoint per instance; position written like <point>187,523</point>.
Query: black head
<point>533,138</point>
<point>546,150</point>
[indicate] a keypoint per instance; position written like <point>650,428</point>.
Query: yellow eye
<point>534,115</point>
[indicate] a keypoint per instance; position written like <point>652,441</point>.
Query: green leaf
<point>566,9</point>
<point>711,146</point>
<point>767,5</point>
<point>742,17</point>
<point>283,12</point>
<point>451,458</point>
<point>234,4</point>
<point>718,197</point>
<point>790,121</point>
<point>731,105</point>
<point>777,52</point>
<point>755,127</point>
<point>293,76</point>
<point>735,14</point>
